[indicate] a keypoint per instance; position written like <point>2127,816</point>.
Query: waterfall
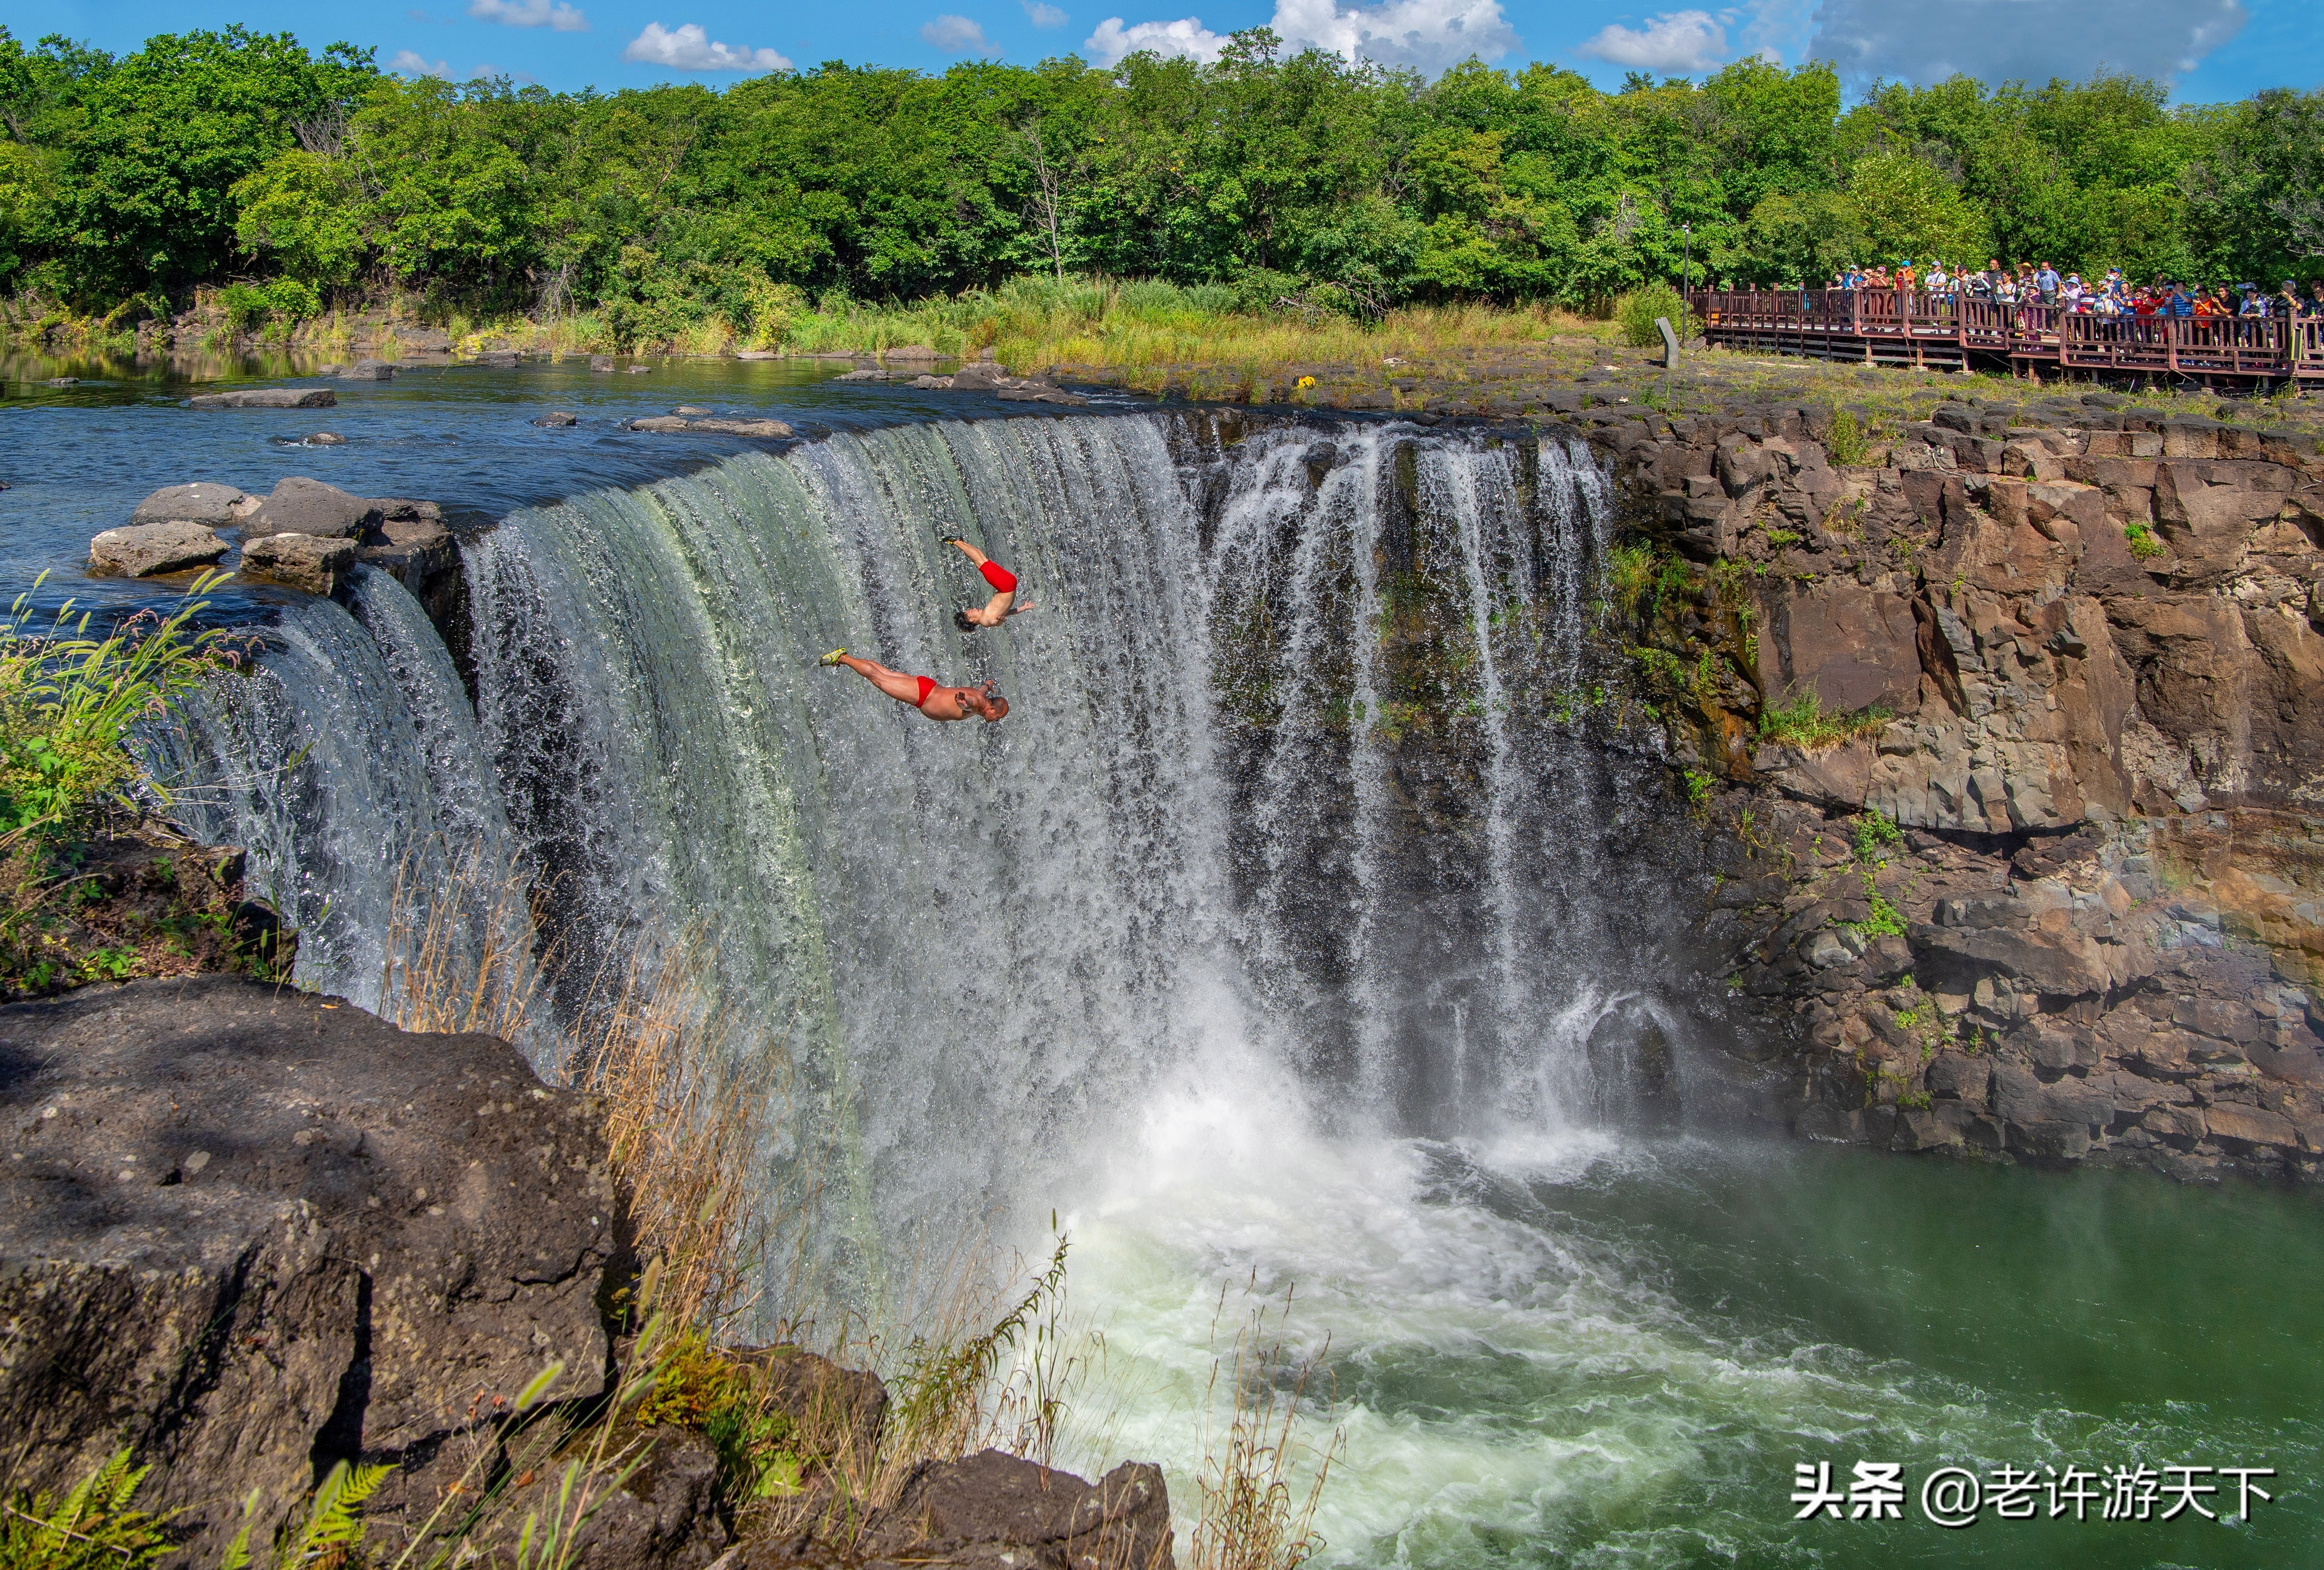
<point>1297,786</point>
<point>346,763</point>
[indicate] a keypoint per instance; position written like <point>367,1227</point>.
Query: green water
<point>1598,1353</point>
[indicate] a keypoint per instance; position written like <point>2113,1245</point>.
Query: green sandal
<point>833,658</point>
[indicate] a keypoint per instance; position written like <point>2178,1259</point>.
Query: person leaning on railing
<point>2313,306</point>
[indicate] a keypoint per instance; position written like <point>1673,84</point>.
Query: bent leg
<point>905,689</point>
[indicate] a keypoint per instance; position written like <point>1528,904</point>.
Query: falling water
<point>1301,923</point>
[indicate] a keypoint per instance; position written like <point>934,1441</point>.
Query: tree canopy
<point>209,157</point>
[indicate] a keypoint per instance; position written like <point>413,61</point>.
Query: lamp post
<point>1686,258</point>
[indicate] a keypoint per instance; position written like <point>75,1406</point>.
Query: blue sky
<point>2210,50</point>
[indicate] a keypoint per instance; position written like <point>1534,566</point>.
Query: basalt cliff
<point>2008,740</point>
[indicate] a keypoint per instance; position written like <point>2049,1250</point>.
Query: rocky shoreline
<point>250,1234</point>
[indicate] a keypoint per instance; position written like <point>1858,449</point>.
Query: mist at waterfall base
<point>1185,952</point>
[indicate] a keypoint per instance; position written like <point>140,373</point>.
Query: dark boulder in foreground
<point>996,1508</point>
<point>268,398</point>
<point>248,1231</point>
<point>144,550</point>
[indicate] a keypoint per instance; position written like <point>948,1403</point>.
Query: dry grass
<point>1251,1515</point>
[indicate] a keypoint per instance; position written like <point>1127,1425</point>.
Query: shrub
<point>1804,723</point>
<point>2144,543</point>
<point>1636,311</point>
<point>1846,444</point>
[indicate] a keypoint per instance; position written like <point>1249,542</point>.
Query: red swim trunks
<point>1002,580</point>
<point>928,686</point>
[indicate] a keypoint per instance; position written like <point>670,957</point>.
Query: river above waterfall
<point>1304,926</point>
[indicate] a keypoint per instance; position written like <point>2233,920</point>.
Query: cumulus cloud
<point>1427,34</point>
<point>689,48</point>
<point>1042,15</point>
<point>1112,42</point>
<point>956,35</point>
<point>1677,43</point>
<point>411,63</point>
<point>1998,41</point>
<point>554,14</point>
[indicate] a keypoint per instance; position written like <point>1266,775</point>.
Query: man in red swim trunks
<point>1002,605</point>
<point>922,693</point>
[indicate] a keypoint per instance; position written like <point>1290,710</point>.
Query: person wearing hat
<point>2255,303</point>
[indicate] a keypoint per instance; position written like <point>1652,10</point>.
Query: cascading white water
<point>346,763</point>
<point>1292,929</point>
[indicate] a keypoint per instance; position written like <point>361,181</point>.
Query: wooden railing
<point>2233,346</point>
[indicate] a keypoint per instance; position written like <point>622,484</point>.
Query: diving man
<point>1002,605</point>
<point>922,693</point>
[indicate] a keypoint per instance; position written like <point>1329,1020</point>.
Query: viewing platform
<point>1891,327</point>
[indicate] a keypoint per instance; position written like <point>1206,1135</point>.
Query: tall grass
<point>68,701</point>
<point>1251,1513</point>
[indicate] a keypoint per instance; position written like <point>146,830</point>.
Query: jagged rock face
<point>248,1233</point>
<point>2095,650</point>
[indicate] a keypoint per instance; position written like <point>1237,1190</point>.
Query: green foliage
<point>696,1387</point>
<point>1804,723</point>
<point>946,1382</point>
<point>1873,832</point>
<point>2144,543</point>
<point>1698,790</point>
<point>69,700</point>
<point>1292,184</point>
<point>1637,311</point>
<point>334,1527</point>
<point>95,1527</point>
<point>1846,444</point>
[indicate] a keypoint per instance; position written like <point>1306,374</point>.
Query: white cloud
<point>1427,34</point>
<point>554,14</point>
<point>412,64</point>
<point>689,48</point>
<point>1112,42</point>
<point>1677,43</point>
<point>1043,15</point>
<point>956,35</point>
<point>1998,41</point>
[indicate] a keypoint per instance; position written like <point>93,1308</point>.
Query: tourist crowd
<point>2113,295</point>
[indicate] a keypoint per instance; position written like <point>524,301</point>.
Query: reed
<point>1251,1513</point>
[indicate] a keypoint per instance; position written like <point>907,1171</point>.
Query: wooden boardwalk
<point>1889,327</point>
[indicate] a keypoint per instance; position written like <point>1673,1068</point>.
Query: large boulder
<point>143,550</point>
<point>298,505</point>
<point>249,1232</point>
<point>368,371</point>
<point>268,398</point>
<point>212,506</point>
<point>300,561</point>
<point>1001,1509</point>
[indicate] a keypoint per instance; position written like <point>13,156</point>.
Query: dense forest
<point>234,157</point>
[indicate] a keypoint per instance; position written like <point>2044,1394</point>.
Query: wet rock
<point>368,371</point>
<point>1040,395</point>
<point>268,398</point>
<point>933,383</point>
<point>601,364</point>
<point>670,423</point>
<point>639,370</point>
<point>690,408</point>
<point>866,374</point>
<point>243,1229</point>
<point>213,506</point>
<point>556,417</point>
<point>325,439</point>
<point>299,506</point>
<point>144,550</point>
<point>62,381</point>
<point>310,562</point>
